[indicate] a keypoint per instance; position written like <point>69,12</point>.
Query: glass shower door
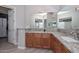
<point>3,26</point>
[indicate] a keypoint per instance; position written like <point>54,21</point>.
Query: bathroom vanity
<point>45,40</point>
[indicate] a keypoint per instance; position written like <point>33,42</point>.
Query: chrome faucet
<point>75,34</point>
<point>44,30</point>
<point>78,36</point>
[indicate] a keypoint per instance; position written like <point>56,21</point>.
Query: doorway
<point>6,28</point>
<point>3,25</point>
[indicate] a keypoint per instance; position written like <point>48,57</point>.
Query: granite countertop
<point>73,47</point>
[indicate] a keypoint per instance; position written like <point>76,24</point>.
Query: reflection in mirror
<point>38,23</point>
<point>38,20</point>
<point>51,20</point>
<point>68,17</point>
<point>64,20</point>
<point>45,20</point>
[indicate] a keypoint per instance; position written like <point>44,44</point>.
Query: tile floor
<point>6,47</point>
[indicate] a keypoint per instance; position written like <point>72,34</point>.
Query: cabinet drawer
<point>37,35</point>
<point>45,35</point>
<point>29,35</point>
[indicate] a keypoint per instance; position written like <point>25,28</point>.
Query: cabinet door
<point>28,40</point>
<point>45,43</point>
<point>45,40</point>
<point>29,43</point>
<point>57,46</point>
<point>36,40</point>
<point>52,43</point>
<point>45,35</point>
<point>64,49</point>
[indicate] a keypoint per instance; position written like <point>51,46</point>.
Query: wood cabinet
<point>64,49</point>
<point>38,40</point>
<point>45,40</point>
<point>28,40</point>
<point>57,46</point>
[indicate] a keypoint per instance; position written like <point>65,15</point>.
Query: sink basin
<point>69,39</point>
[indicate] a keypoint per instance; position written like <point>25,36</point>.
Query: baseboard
<point>21,47</point>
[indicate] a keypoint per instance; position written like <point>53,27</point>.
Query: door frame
<point>11,35</point>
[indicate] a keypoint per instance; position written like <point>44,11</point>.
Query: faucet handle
<point>72,32</point>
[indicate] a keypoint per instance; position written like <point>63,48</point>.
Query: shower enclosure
<point>3,25</point>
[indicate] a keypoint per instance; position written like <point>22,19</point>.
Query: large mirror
<point>68,18</point>
<point>46,20</point>
<point>65,18</point>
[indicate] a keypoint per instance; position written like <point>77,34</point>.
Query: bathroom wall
<point>20,16</point>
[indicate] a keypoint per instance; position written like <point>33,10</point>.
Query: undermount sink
<point>69,39</point>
